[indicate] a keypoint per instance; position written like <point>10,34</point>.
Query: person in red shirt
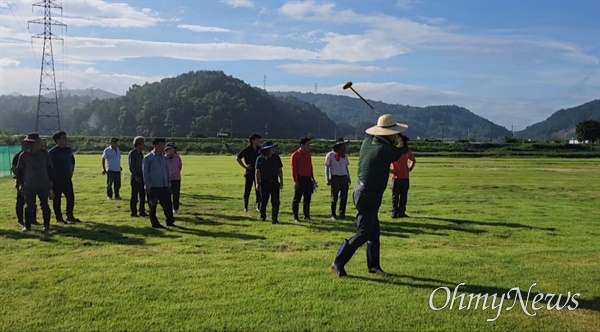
<point>399,171</point>
<point>304,180</point>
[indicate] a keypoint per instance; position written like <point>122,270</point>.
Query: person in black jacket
<point>63,163</point>
<point>138,194</point>
<point>20,204</point>
<point>249,155</point>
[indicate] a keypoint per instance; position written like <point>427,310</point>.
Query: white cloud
<point>199,28</point>
<point>6,62</point>
<point>406,4</point>
<point>301,9</point>
<point>354,48</point>
<point>433,20</point>
<point>332,70</point>
<point>238,3</point>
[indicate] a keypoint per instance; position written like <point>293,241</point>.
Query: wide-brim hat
<point>32,137</point>
<point>267,145</point>
<point>340,141</point>
<point>387,125</point>
<point>171,145</point>
<point>113,139</point>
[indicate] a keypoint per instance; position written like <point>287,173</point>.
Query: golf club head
<point>347,85</point>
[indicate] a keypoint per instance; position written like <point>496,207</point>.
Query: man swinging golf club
<point>383,146</point>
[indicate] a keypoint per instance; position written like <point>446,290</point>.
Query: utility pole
<point>48,117</point>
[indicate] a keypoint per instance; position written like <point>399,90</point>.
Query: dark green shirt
<point>376,155</point>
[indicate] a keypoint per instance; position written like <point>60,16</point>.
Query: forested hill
<point>562,123</point>
<point>455,122</point>
<point>201,103</point>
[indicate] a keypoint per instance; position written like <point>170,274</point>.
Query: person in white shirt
<point>111,167</point>
<point>338,177</point>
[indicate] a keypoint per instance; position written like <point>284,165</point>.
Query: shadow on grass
<point>432,284</point>
<point>203,233</point>
<point>225,216</point>
<point>410,227</point>
<point>205,197</point>
<point>18,234</point>
<point>99,232</point>
<point>488,223</point>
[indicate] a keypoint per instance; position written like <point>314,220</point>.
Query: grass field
<point>492,224</point>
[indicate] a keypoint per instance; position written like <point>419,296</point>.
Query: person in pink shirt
<point>174,163</point>
<point>399,171</point>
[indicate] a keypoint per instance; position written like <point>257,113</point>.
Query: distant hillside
<point>201,103</point>
<point>561,124</point>
<point>92,93</point>
<point>424,122</point>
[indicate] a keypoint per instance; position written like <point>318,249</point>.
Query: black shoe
<point>46,230</point>
<point>35,222</point>
<point>62,221</point>
<point>403,215</point>
<point>378,271</point>
<point>72,219</point>
<point>135,215</point>
<point>274,222</point>
<point>143,214</point>
<point>342,217</point>
<point>171,224</point>
<point>395,216</point>
<point>158,226</point>
<point>338,270</point>
<point>307,218</point>
<point>263,218</point>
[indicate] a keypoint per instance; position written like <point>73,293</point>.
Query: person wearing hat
<point>249,155</point>
<point>268,170</point>
<point>112,156</point>
<point>175,166</point>
<point>400,170</point>
<point>157,183</point>
<point>338,177</point>
<point>304,180</point>
<point>34,180</point>
<point>20,204</point>
<point>383,145</point>
<point>63,163</point>
<point>138,193</point>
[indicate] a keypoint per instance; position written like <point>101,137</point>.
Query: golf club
<point>349,85</point>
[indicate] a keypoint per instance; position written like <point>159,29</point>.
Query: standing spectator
<point>138,193</point>
<point>157,183</point>
<point>20,204</point>
<point>63,163</point>
<point>249,154</point>
<point>175,166</point>
<point>338,176</point>
<point>400,170</point>
<point>268,170</point>
<point>112,156</point>
<point>34,179</point>
<point>304,180</point>
<point>383,145</point>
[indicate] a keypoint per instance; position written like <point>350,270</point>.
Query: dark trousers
<point>269,189</point>
<point>113,179</point>
<point>305,188</point>
<point>162,196</point>
<point>339,186</point>
<point>20,208</point>
<point>249,177</point>
<point>30,197</point>
<point>176,192</point>
<point>138,195</point>
<point>399,196</point>
<point>61,187</point>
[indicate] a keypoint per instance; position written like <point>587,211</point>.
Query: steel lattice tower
<point>48,118</point>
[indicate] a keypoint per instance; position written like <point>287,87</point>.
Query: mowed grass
<point>493,224</point>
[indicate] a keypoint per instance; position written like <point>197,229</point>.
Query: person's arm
<point>239,160</point>
<point>131,163</point>
<point>312,174</point>
<point>72,163</point>
<point>348,172</point>
<point>280,173</point>
<point>179,163</point>
<point>51,176</point>
<point>293,162</point>
<point>146,172</point>
<point>257,174</point>
<point>414,161</point>
<point>327,176</point>
<point>13,167</point>
<point>20,172</point>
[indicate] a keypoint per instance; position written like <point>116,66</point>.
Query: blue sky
<point>513,62</point>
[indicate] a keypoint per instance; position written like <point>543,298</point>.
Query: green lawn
<point>492,224</point>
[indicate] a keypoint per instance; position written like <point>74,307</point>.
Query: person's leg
<point>70,198</point>
<point>117,183</point>
<point>308,189</point>
<point>142,197</point>
<point>20,208</point>
<point>335,191</point>
<point>264,196</point>
<point>42,194</point>
<point>109,184</point>
<point>30,198</point>
<point>152,203</point>
<point>275,203</point>
<point>133,200</point>
<point>176,189</point>
<point>296,200</point>
<point>373,251</point>
<point>404,185</point>
<point>58,189</point>
<point>167,205</point>
<point>248,184</point>
<point>343,198</point>
<point>257,193</point>
<point>395,197</point>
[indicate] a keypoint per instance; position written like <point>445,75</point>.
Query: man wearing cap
<point>175,166</point>
<point>112,157</point>
<point>63,163</point>
<point>158,183</point>
<point>34,179</point>
<point>338,177</point>
<point>138,193</point>
<point>20,204</point>
<point>383,146</point>
<point>304,180</point>
<point>400,184</point>
<point>249,155</point>
<point>268,170</point>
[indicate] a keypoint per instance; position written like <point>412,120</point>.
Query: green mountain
<point>201,103</point>
<point>561,124</point>
<point>432,122</point>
